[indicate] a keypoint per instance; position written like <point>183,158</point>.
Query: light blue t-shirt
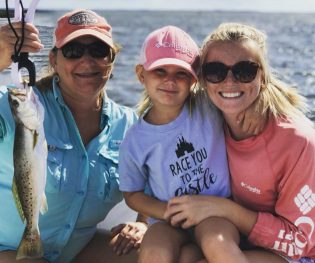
<point>82,183</point>
<point>184,157</point>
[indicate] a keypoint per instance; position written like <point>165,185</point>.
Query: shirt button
<point>51,148</point>
<point>80,193</point>
<point>67,226</point>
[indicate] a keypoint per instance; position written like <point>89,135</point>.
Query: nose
<point>230,77</point>
<point>87,58</point>
<point>171,78</point>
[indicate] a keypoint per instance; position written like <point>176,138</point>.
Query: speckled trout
<point>29,158</point>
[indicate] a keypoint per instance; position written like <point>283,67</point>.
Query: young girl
<point>176,148</point>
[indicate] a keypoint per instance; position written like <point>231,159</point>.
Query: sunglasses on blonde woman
<point>243,71</point>
<point>75,50</point>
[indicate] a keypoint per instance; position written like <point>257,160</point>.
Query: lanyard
<point>21,60</point>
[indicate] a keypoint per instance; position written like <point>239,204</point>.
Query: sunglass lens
<point>245,71</point>
<point>215,72</point>
<point>73,50</point>
<point>99,50</point>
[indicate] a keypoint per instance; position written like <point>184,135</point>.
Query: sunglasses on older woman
<point>75,50</point>
<point>243,71</point>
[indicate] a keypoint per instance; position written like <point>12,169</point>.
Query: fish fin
<point>44,206</point>
<point>17,199</point>
<point>30,246</point>
<point>35,135</point>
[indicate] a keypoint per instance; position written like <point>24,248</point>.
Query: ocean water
<point>291,43</point>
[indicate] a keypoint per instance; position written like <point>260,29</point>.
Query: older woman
<point>83,129</point>
<point>273,172</point>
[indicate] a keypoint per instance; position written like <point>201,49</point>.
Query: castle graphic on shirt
<point>183,146</point>
<point>191,169</point>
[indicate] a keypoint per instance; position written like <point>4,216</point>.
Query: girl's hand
<point>31,42</point>
<point>189,210</point>
<point>127,237</point>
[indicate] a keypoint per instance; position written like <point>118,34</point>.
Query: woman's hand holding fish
<point>31,42</point>
<point>127,236</point>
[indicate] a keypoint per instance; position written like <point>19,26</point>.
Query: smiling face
<point>83,77</point>
<point>231,96</point>
<point>167,86</point>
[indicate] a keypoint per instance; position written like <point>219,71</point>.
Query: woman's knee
<point>100,249</point>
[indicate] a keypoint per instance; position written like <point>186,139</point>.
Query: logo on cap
<point>175,46</point>
<point>83,18</point>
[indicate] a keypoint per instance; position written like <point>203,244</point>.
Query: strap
<point>22,60</point>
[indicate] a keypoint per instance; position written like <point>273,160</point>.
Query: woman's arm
<point>31,42</point>
<point>289,230</point>
<point>189,211</point>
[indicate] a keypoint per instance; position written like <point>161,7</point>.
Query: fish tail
<point>30,246</point>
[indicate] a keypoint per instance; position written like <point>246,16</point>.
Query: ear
<point>53,59</point>
<point>139,72</point>
<point>193,81</point>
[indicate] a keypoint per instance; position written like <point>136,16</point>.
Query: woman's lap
<point>8,256</point>
<point>99,250</point>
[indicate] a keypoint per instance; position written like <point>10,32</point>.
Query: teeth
<point>230,94</point>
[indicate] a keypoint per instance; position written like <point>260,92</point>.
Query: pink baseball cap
<point>169,45</point>
<point>82,22</point>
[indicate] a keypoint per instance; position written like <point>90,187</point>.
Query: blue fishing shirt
<point>82,181</point>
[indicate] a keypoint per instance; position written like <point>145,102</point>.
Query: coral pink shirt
<point>274,174</point>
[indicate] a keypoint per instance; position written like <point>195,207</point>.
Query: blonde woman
<point>272,173</point>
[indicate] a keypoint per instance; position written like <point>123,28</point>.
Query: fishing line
<point>17,49</point>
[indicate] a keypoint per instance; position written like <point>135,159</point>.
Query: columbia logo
<point>250,188</point>
<point>175,46</point>
<point>305,200</point>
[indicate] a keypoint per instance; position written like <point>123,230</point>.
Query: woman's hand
<point>31,42</point>
<point>189,210</point>
<point>127,236</point>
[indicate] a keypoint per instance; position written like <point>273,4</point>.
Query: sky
<point>294,6</point>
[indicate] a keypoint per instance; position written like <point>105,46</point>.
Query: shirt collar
<point>106,111</point>
<point>57,92</point>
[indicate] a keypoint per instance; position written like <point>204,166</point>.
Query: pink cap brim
<point>86,32</point>
<point>170,61</point>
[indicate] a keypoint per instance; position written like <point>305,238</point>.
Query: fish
<point>30,162</point>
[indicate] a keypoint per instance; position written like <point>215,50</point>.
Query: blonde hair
<point>144,104</point>
<point>275,96</point>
